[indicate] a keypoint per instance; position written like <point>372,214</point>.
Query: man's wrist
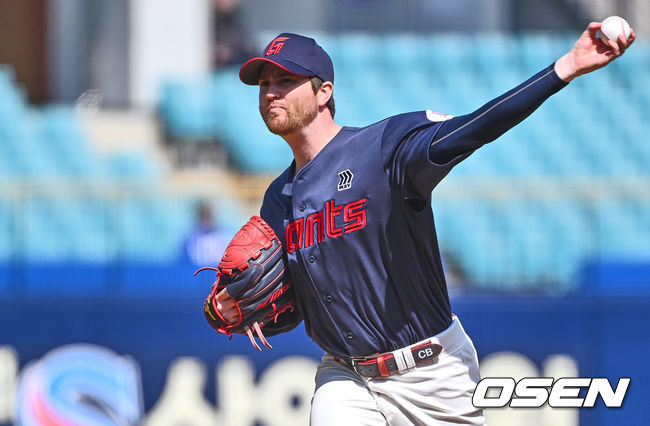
<point>565,69</point>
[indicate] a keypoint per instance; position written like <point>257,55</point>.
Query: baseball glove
<point>252,271</point>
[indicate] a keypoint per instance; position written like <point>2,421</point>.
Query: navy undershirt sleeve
<point>464,134</point>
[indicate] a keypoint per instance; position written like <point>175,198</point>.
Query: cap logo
<point>276,45</point>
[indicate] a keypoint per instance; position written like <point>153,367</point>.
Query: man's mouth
<point>273,107</point>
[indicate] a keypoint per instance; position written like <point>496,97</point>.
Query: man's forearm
<point>463,134</point>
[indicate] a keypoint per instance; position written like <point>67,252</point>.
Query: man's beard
<point>296,117</point>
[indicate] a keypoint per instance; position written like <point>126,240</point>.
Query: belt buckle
<point>361,365</point>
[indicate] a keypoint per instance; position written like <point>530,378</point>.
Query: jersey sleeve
<point>421,148</point>
<point>405,143</point>
<point>466,133</point>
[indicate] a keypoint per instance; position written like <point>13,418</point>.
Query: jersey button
<point>329,298</point>
<point>312,259</point>
<point>349,335</point>
<point>302,207</point>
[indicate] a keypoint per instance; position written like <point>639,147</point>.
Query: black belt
<point>384,365</point>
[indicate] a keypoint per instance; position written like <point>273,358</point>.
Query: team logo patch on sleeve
<point>345,180</point>
<point>436,116</point>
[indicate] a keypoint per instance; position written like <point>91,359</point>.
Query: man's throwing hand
<point>590,53</point>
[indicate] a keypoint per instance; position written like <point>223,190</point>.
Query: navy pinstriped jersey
<point>357,224</point>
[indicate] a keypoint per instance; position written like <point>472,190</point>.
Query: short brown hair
<point>316,83</point>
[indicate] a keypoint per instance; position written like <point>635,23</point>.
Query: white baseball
<point>613,27</point>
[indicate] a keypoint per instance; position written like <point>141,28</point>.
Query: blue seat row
<point>96,228</point>
<point>539,242</point>
<point>49,141</point>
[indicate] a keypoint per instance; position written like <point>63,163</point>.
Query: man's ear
<point>324,93</point>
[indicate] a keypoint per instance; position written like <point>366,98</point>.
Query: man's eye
<point>264,83</point>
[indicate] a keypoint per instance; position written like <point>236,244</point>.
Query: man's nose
<point>272,92</point>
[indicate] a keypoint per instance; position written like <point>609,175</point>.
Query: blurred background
<point>130,153</point>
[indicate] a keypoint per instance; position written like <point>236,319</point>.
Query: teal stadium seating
<point>60,201</point>
<point>568,185</point>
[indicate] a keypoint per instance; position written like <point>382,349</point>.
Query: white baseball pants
<point>435,394</point>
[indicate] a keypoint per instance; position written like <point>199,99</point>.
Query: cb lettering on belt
<point>425,353</point>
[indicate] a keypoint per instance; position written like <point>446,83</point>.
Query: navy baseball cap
<point>297,54</point>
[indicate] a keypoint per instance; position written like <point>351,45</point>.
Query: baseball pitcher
<point>360,255</point>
